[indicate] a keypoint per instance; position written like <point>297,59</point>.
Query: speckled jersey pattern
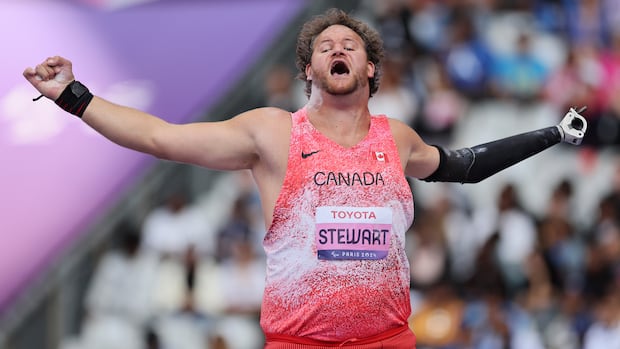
<point>336,263</point>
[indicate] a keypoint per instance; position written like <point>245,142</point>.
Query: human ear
<point>371,69</point>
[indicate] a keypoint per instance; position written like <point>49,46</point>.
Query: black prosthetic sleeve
<point>471,165</point>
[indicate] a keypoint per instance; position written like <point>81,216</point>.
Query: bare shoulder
<point>417,157</point>
<point>270,129</point>
<point>266,112</point>
<point>266,122</point>
<point>264,118</point>
<point>404,135</point>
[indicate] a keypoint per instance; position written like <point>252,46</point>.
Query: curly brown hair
<point>315,26</point>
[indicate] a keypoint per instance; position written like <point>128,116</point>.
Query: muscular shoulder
<point>267,122</point>
<point>418,158</point>
<point>270,129</point>
<point>404,135</point>
<point>260,118</point>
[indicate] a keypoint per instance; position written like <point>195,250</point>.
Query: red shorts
<point>399,338</point>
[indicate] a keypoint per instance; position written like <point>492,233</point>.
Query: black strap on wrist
<point>75,98</point>
<point>471,165</point>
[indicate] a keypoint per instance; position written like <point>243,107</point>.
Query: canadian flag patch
<point>380,156</point>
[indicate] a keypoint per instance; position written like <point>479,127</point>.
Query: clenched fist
<point>51,76</point>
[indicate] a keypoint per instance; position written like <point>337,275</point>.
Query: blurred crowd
<point>449,54</point>
<point>534,263</point>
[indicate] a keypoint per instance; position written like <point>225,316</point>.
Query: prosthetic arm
<point>471,165</point>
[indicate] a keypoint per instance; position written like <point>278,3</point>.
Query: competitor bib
<point>350,233</point>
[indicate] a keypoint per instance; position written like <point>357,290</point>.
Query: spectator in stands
<point>485,320</point>
<point>561,203</point>
<point>454,229</point>
<point>519,75</point>
<point>171,229</point>
<point>395,97</point>
<point>602,264</point>
<point>425,22</point>
<point>550,16</point>
<point>241,284</point>
<point>564,253</point>
<point>542,300</point>
<point>237,229</point>
<point>123,281</point>
<point>604,333</point>
<point>443,108</point>
<point>608,133</point>
<point>118,300</point>
<point>588,22</point>
<point>516,233</point>
<point>427,251</point>
<point>486,273</point>
<point>468,59</point>
<point>573,82</point>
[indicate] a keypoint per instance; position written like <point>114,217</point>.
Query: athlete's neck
<point>344,118</point>
<point>350,105</point>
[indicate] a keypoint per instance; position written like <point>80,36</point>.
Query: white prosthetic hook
<point>573,126</point>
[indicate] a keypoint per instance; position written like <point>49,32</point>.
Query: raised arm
<point>473,164</point>
<point>225,145</point>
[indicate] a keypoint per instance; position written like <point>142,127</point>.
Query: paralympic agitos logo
<point>348,178</point>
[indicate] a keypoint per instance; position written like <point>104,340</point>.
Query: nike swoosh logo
<point>305,155</point>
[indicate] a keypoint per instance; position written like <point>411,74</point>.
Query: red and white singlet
<point>336,263</point>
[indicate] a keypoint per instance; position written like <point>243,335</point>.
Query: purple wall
<point>172,59</point>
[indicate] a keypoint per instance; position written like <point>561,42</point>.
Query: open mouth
<point>339,68</point>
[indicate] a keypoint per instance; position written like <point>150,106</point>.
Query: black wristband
<point>75,98</point>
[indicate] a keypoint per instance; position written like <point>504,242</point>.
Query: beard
<point>340,86</point>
